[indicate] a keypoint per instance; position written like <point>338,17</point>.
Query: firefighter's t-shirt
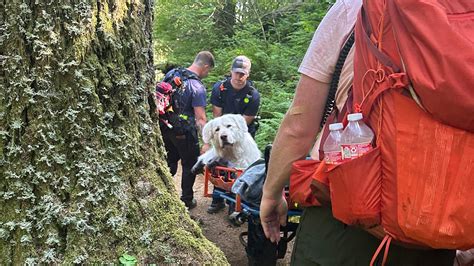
<point>194,96</point>
<point>245,101</point>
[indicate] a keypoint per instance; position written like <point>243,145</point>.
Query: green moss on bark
<point>83,174</point>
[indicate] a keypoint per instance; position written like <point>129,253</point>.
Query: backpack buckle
<point>177,81</point>
<point>398,80</point>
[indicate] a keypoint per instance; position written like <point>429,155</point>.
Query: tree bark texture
<point>224,17</point>
<point>83,177</point>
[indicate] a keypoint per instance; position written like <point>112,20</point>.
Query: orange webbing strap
<point>207,175</point>
<point>381,26</point>
<point>379,130</point>
<point>385,82</point>
<point>238,203</point>
<point>373,44</point>
<point>385,242</point>
<point>381,79</point>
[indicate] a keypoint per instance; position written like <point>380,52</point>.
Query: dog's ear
<point>207,132</point>
<point>240,122</point>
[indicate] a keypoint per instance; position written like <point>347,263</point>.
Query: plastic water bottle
<point>332,145</point>
<point>356,138</point>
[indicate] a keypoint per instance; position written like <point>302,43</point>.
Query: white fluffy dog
<point>230,140</point>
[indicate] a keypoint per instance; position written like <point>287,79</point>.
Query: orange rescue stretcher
<point>260,251</point>
<point>223,178</point>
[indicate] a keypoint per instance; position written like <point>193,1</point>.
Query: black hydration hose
<point>331,102</point>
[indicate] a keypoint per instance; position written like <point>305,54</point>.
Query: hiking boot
<point>190,204</point>
<point>215,207</point>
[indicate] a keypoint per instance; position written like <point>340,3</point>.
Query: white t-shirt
<point>321,57</point>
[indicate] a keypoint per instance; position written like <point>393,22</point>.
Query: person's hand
<point>205,147</point>
<point>273,213</point>
<point>464,258</point>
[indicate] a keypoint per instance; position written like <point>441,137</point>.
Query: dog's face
<point>225,131</point>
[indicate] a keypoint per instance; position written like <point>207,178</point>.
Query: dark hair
<point>168,67</point>
<point>204,58</point>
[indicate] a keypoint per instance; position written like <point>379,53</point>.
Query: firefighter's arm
<point>200,116</point>
<point>216,111</point>
<point>201,112</point>
<point>296,135</point>
<point>252,108</point>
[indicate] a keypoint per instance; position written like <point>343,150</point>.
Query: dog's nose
<point>224,137</point>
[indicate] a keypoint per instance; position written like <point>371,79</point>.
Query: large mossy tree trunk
<point>82,171</point>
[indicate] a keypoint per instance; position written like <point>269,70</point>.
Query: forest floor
<point>217,227</point>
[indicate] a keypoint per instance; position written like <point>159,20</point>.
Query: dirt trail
<point>218,229</point>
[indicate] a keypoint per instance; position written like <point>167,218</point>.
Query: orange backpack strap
<point>390,77</point>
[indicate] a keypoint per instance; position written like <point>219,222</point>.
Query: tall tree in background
<point>82,172</point>
<point>224,17</point>
<point>183,28</point>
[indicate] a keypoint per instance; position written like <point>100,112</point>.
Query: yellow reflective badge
<point>246,100</point>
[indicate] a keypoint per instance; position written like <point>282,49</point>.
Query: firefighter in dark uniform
<point>188,116</point>
<point>235,95</point>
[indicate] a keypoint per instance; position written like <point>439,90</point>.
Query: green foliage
<point>183,28</point>
<point>273,34</point>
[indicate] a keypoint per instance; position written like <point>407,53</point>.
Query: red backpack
<point>414,84</point>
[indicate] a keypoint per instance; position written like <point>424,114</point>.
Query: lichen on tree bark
<point>83,177</point>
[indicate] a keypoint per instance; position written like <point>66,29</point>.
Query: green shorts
<point>323,240</point>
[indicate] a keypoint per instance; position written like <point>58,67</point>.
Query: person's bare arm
<point>216,111</point>
<point>297,133</point>
<point>200,116</point>
<point>293,141</point>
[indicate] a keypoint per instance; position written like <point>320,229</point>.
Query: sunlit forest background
<point>274,34</point>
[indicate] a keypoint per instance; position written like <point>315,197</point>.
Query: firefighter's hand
<point>273,213</point>
<point>205,147</point>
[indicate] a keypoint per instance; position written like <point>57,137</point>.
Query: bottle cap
<point>336,126</point>
<point>354,117</point>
